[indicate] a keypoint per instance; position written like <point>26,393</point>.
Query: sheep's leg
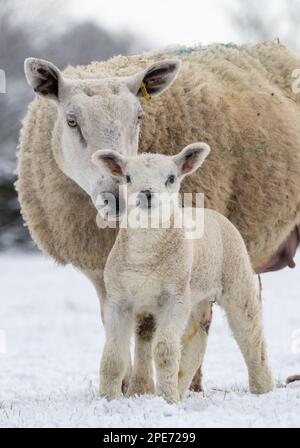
<point>167,349</point>
<point>194,343</point>
<point>141,381</point>
<point>118,328</point>
<point>196,384</point>
<point>244,312</point>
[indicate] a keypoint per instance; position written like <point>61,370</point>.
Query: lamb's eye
<point>171,179</point>
<point>72,122</point>
<point>140,117</point>
<point>128,179</point>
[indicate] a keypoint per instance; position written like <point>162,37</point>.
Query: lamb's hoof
<point>171,399</point>
<point>264,386</point>
<point>293,379</point>
<point>110,397</point>
<point>169,394</point>
<point>262,383</point>
<point>110,394</point>
<point>181,395</point>
<point>140,386</point>
<point>261,390</point>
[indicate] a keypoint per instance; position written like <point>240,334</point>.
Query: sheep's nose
<point>144,199</point>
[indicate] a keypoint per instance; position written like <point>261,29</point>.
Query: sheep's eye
<point>140,116</point>
<point>128,179</point>
<point>72,122</point>
<point>171,179</point>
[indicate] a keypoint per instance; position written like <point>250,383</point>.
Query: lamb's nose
<point>144,199</point>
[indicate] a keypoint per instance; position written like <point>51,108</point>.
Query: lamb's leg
<point>244,311</point>
<point>205,311</point>
<point>141,381</point>
<point>118,329</point>
<point>97,279</point>
<point>167,349</point>
<point>127,377</point>
<point>194,343</point>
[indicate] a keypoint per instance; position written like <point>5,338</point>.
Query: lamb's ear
<point>44,77</point>
<point>111,161</point>
<point>155,79</point>
<point>191,158</point>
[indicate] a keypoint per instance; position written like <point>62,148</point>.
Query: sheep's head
<point>96,113</point>
<point>152,181</point>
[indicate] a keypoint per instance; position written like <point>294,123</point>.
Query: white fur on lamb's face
<point>152,181</point>
<point>152,173</point>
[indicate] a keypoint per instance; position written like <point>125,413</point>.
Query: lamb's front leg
<point>244,311</point>
<point>167,348</point>
<point>141,381</point>
<point>118,323</point>
<point>97,278</point>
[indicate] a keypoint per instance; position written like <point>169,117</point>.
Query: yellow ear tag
<point>146,95</point>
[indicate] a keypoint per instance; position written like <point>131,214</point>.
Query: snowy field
<point>54,338</point>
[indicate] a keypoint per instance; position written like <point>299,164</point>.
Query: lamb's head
<point>152,181</point>
<point>96,113</point>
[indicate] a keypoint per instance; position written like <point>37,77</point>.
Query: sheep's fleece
<point>238,99</point>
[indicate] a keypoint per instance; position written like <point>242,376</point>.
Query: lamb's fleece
<point>238,99</point>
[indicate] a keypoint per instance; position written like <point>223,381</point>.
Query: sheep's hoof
<point>125,385</point>
<point>196,384</point>
<point>293,379</point>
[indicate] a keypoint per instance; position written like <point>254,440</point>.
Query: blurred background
<point>76,32</point>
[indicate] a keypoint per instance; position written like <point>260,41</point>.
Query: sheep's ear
<point>191,158</point>
<point>155,79</point>
<point>44,77</point>
<point>111,161</point>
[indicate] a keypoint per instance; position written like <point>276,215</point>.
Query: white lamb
<point>161,272</point>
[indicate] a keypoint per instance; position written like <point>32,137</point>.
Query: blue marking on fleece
<point>184,51</point>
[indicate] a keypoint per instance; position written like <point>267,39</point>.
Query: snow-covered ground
<point>54,338</point>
